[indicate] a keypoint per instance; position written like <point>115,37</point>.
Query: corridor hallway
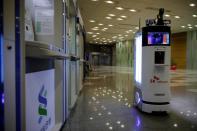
<point>105,103</point>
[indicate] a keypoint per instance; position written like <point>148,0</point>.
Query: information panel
<point>44,21</point>
<point>40,106</point>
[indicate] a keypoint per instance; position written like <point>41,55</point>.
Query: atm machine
<point>152,53</point>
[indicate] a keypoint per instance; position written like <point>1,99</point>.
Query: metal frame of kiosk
<point>13,59</point>
<point>152,68</point>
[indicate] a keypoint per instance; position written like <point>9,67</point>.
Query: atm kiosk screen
<point>158,38</point>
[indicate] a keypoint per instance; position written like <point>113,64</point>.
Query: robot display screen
<point>158,38</point>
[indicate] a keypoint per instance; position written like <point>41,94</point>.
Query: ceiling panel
<point>146,9</point>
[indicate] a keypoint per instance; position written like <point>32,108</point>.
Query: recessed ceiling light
<point>167,15</point>
<point>92,21</point>
<point>194,16</point>
<point>108,17</point>
<point>109,2</point>
<point>177,17</point>
<point>130,30</point>
<point>192,4</point>
<point>112,15</point>
<point>110,25</point>
<point>195,25</point>
<point>100,24</point>
<point>119,8</point>
<point>94,0</point>
<point>123,16</point>
<point>132,10</point>
<point>183,26</point>
<point>97,33</point>
<point>119,35</point>
<point>137,28</point>
<point>119,19</point>
<point>105,28</point>
<point>189,25</point>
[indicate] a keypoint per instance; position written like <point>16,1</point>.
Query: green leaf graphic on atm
<point>42,99</point>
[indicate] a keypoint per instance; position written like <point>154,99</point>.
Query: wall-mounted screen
<point>158,38</point>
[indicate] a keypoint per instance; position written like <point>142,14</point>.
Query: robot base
<point>150,108</point>
<point>147,106</point>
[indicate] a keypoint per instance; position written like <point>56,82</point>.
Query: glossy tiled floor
<point>106,104</point>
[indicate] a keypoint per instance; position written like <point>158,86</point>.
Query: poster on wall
<point>44,21</point>
<point>40,106</point>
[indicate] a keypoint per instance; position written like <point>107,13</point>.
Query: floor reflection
<point>106,104</point>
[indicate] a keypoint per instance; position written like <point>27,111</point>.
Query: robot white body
<point>152,58</point>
